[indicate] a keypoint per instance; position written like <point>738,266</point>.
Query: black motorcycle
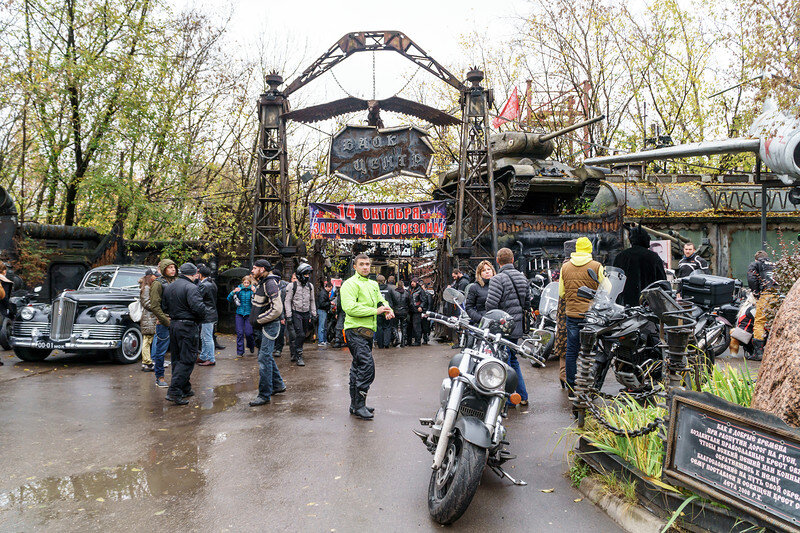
<point>467,433</point>
<point>627,338</point>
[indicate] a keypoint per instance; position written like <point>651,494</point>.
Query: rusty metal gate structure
<point>272,237</point>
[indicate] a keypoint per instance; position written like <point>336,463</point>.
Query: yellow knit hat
<point>583,246</point>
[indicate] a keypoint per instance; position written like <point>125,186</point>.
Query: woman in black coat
<point>477,292</point>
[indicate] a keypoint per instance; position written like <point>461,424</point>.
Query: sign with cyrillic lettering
<point>739,456</point>
<point>423,220</point>
<point>363,154</point>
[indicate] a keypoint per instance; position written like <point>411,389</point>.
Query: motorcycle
<point>467,433</point>
<point>544,321</point>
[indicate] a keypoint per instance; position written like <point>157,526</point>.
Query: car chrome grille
<point>25,329</point>
<point>98,331</point>
<point>61,319</point>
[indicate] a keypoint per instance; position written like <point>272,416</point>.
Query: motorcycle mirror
<point>593,275</point>
<point>586,292</point>
<point>454,296</point>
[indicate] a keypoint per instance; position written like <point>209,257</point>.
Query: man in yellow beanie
<point>574,275</point>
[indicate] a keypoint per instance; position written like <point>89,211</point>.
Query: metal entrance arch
<point>272,238</point>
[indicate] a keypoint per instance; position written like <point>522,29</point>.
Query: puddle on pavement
<point>168,469</point>
<point>222,397</point>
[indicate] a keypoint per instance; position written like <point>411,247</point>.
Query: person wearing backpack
<point>508,291</point>
<point>265,314</point>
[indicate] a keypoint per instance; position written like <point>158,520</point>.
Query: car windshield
<point>111,278</point>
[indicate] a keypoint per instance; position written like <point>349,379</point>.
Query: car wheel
<point>130,348</point>
<point>5,333</point>
<point>31,354</point>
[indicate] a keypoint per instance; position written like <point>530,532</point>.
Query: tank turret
<point>526,181</point>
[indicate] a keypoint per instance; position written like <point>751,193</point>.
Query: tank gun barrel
<point>568,129</point>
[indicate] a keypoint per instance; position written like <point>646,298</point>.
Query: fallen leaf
<point>159,513</point>
<point>101,499</point>
<point>548,491</point>
<point>30,478</point>
<point>136,469</point>
<point>311,504</point>
<point>162,429</point>
<point>338,477</point>
<point>576,500</point>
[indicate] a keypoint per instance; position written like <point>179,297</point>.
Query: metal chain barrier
<point>601,419</point>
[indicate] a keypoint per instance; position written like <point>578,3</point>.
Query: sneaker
<point>161,382</point>
<point>166,364</point>
<point>148,368</point>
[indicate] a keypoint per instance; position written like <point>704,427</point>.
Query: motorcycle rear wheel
<point>452,487</point>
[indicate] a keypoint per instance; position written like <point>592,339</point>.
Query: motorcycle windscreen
<point>617,278</point>
<point>549,299</point>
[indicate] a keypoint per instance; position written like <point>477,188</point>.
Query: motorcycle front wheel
<point>452,487</point>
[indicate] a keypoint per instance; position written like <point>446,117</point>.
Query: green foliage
<point>731,384</point>
<point>31,263</point>
<point>178,252</point>
<point>577,471</point>
<point>646,452</point>
<point>618,487</point>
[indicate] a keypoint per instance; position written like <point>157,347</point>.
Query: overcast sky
<point>312,26</point>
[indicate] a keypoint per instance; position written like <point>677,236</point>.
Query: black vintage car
<point>92,318</point>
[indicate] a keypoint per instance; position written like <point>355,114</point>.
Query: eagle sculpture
<point>350,104</point>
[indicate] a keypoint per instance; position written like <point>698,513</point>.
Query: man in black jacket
<point>208,289</point>
<point>508,291</point>
<point>383,336</point>
<point>183,303</point>
<point>691,262</point>
<point>641,266</point>
<point>761,280</point>
<point>419,304</point>
<point>426,325</point>
<point>400,302</point>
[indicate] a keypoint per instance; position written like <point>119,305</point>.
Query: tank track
<point>517,191</point>
<point>590,189</point>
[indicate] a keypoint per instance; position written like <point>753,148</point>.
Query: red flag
<point>510,111</point>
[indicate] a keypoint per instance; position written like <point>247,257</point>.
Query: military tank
<point>526,181</point>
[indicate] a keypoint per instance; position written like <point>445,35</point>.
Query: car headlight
<point>26,313</point>
<point>102,316</point>
<point>491,375</point>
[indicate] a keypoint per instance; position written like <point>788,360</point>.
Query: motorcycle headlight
<point>491,375</point>
<point>102,316</point>
<point>26,313</point>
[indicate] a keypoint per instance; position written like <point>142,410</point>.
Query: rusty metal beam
<point>367,41</point>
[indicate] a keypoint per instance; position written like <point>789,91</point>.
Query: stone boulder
<point>778,385</point>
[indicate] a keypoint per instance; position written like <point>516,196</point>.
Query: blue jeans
<point>573,346</point>
<point>269,377</point>
<point>322,315</point>
<point>514,363</point>
<point>159,349</point>
<point>207,341</point>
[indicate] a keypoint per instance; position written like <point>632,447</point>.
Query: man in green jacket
<point>362,302</point>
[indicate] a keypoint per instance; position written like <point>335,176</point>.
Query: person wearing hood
<point>300,305</point>
<point>161,340</point>
<point>574,275</point>
<point>641,266</point>
<point>183,302</point>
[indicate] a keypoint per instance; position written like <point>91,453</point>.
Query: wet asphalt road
<point>90,445</point>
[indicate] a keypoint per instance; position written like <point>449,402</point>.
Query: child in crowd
<point>241,297</point>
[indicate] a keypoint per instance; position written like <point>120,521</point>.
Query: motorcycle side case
<point>474,431</point>
<point>707,290</point>
<point>729,312</point>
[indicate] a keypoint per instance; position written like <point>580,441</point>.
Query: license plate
<point>48,345</point>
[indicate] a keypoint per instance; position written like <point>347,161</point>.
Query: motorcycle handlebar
<point>454,323</point>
